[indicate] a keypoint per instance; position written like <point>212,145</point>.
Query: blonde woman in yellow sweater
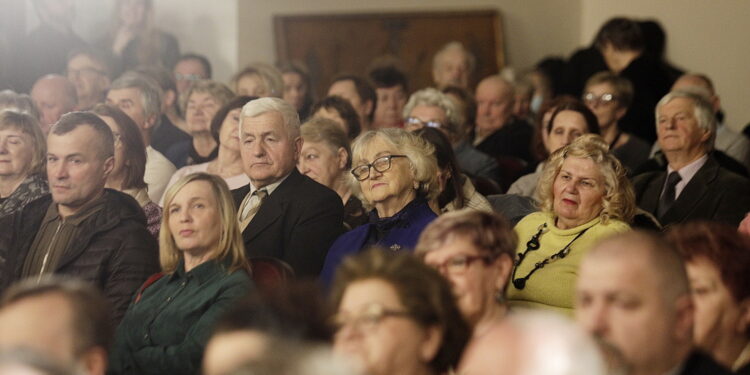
<point>585,196</point>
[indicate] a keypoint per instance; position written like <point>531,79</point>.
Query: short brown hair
<point>421,289</point>
<point>722,245</point>
<point>72,120</point>
<point>487,231</point>
<point>323,130</point>
<point>91,325</point>
<point>132,143</point>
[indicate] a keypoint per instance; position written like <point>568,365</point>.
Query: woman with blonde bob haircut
<point>394,174</point>
<point>204,271</point>
<point>585,196</point>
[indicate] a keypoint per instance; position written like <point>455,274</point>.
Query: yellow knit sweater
<point>552,287</point>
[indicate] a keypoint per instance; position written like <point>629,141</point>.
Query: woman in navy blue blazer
<point>395,174</point>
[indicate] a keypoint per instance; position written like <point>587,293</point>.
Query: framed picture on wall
<point>329,44</point>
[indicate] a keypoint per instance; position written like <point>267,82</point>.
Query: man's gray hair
<point>289,115</point>
<point>151,93</point>
<point>434,98</point>
<point>702,110</point>
<point>454,46</point>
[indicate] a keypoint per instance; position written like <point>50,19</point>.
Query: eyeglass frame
<point>373,315</point>
<point>429,124</point>
<point>372,166</point>
<point>591,98</point>
<point>444,267</point>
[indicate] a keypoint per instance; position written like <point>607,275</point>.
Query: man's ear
<point>342,155</point>
<point>504,264</point>
<point>298,147</point>
<point>109,165</point>
<point>369,107</point>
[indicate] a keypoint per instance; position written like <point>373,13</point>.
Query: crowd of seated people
<point>589,217</point>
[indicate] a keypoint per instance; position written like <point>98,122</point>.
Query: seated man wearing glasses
<point>396,173</point>
<point>283,214</point>
<point>431,108</point>
<point>91,72</point>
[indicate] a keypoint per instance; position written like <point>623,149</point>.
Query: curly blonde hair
<point>421,155</point>
<point>618,202</point>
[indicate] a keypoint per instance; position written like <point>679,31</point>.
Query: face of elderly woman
<point>319,162</point>
<point>201,108</point>
<point>567,126</point>
<point>578,192</point>
<point>229,136</point>
<point>15,153</point>
<point>393,189</point>
<point>194,218</point>
<point>252,85</point>
<point>717,315</point>
<point>376,330</point>
<point>474,276</point>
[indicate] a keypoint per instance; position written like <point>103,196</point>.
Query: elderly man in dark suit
<point>694,186</point>
<point>283,214</point>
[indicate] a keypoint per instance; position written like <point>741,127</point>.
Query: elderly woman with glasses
<point>474,250</point>
<point>395,175</point>
<point>396,316</point>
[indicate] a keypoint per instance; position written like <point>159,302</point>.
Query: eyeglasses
<point>368,320</point>
<point>591,99</point>
<point>459,264</point>
<point>380,164</point>
<point>417,123</point>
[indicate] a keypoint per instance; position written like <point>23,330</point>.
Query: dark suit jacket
<point>699,363</point>
<point>714,193</point>
<point>297,223</point>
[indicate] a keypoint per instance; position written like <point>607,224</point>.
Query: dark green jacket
<point>166,329</point>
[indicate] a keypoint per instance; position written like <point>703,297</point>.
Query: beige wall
<point>702,35</point>
<point>533,29</point>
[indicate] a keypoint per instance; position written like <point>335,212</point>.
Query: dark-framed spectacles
<point>591,98</point>
<point>417,123</point>
<point>368,320</point>
<point>459,264</point>
<point>381,164</point>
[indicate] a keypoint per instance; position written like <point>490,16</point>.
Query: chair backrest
<point>269,272</point>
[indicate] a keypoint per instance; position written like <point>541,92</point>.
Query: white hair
<point>702,110</point>
<point>257,107</point>
<point>434,98</point>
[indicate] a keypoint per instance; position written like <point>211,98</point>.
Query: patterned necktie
<point>249,211</point>
<point>667,199</point>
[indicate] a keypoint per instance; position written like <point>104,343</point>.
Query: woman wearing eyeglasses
<point>585,196</point>
<point>609,96</point>
<point>474,250</point>
<point>395,176</point>
<point>396,316</point>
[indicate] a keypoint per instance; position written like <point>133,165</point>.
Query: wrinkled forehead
<point>374,148</point>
